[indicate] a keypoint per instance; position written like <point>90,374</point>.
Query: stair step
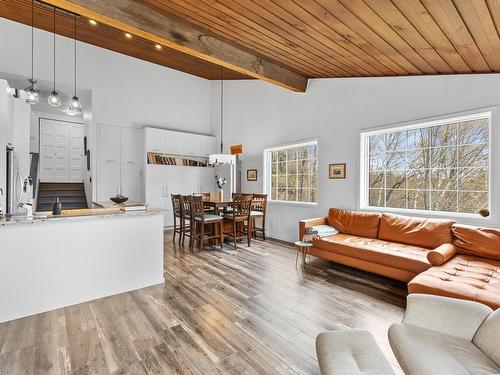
<point>61,193</point>
<point>51,200</point>
<point>64,187</point>
<point>71,195</point>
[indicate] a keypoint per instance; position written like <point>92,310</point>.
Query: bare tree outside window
<point>292,173</point>
<point>435,168</point>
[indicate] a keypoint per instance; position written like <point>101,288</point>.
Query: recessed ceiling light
<point>157,46</point>
<point>128,35</point>
<point>93,22</point>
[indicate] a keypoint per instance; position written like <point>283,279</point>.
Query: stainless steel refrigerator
<point>10,205</point>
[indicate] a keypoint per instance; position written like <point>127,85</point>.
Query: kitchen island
<point>56,261</point>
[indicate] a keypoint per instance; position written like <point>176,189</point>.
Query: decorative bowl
<point>119,199</point>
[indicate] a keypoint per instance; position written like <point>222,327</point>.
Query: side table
<point>302,248</point>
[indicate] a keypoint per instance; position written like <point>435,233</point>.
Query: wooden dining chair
<point>238,216</point>
<point>206,206</point>
<point>200,219</point>
<point>177,212</point>
<point>259,206</point>
<point>187,222</point>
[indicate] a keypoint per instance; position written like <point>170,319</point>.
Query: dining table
<point>220,206</point>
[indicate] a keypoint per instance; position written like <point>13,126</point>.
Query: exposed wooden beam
<point>139,19</point>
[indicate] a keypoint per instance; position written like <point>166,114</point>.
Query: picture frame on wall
<point>337,171</point>
<point>251,174</point>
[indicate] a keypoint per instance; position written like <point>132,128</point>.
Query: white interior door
<point>54,151</point>
<point>76,160</point>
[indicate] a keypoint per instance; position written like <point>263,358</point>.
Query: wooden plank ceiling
<point>107,37</point>
<point>355,38</point>
<point>317,38</point>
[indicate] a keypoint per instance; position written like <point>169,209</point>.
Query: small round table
<point>302,248</point>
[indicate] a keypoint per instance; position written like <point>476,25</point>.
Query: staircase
<point>71,195</point>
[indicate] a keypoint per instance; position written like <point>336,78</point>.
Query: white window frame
<point>267,172</point>
<point>490,112</point>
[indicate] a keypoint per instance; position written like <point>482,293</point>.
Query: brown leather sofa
<point>434,256</point>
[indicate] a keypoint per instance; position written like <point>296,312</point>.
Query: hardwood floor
<point>218,312</point>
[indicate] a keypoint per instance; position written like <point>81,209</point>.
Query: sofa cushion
<point>405,257</point>
<point>483,242</point>
<point>422,351</point>
<point>364,224</point>
<point>350,352</point>
<point>441,254</point>
<point>463,276</point>
<point>429,233</point>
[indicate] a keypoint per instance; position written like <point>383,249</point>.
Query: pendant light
<point>32,94</point>
<point>54,98</point>
<point>75,107</point>
<point>220,159</point>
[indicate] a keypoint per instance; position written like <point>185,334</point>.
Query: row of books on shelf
<point>162,159</point>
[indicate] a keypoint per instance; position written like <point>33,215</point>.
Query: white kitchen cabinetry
<point>191,144</point>
<point>208,146</point>
<point>160,181</point>
<point>120,162</point>
<point>155,140</point>
<point>174,142</point>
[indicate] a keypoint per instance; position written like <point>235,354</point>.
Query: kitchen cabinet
<point>160,181</point>
<point>191,144</point>
<point>155,140</point>
<point>120,162</point>
<point>109,144</point>
<point>109,180</point>
<point>175,141</point>
<point>208,146</point>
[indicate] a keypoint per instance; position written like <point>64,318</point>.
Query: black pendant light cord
<point>54,88</point>
<point>75,52</point>
<point>32,33</point>
<point>221,108</point>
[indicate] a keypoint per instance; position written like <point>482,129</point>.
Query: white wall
<point>261,115</point>
<point>125,91</point>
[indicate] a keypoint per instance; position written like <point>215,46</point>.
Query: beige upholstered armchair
<point>441,335</point>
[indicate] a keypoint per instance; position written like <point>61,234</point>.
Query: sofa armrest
<point>303,224</point>
<point>455,317</point>
<point>441,254</point>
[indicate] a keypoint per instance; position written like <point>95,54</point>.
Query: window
<point>440,166</point>
<point>291,173</point>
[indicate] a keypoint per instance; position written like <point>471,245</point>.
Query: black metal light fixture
<point>54,99</point>
<point>32,94</point>
<point>75,107</point>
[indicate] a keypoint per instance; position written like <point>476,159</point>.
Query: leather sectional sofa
<point>434,256</point>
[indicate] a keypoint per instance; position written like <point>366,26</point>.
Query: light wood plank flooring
<point>218,312</point>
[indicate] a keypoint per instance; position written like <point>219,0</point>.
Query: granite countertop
<point>80,214</point>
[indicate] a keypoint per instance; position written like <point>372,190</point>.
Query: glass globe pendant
<point>75,106</point>
<point>54,99</point>
<point>32,94</point>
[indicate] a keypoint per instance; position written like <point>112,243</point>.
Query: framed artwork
<point>337,171</point>
<point>251,174</point>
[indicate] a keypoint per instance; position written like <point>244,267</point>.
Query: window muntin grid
<point>292,173</point>
<point>443,168</point>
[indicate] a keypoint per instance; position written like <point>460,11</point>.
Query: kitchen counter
<point>79,214</point>
<point>76,257</point>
